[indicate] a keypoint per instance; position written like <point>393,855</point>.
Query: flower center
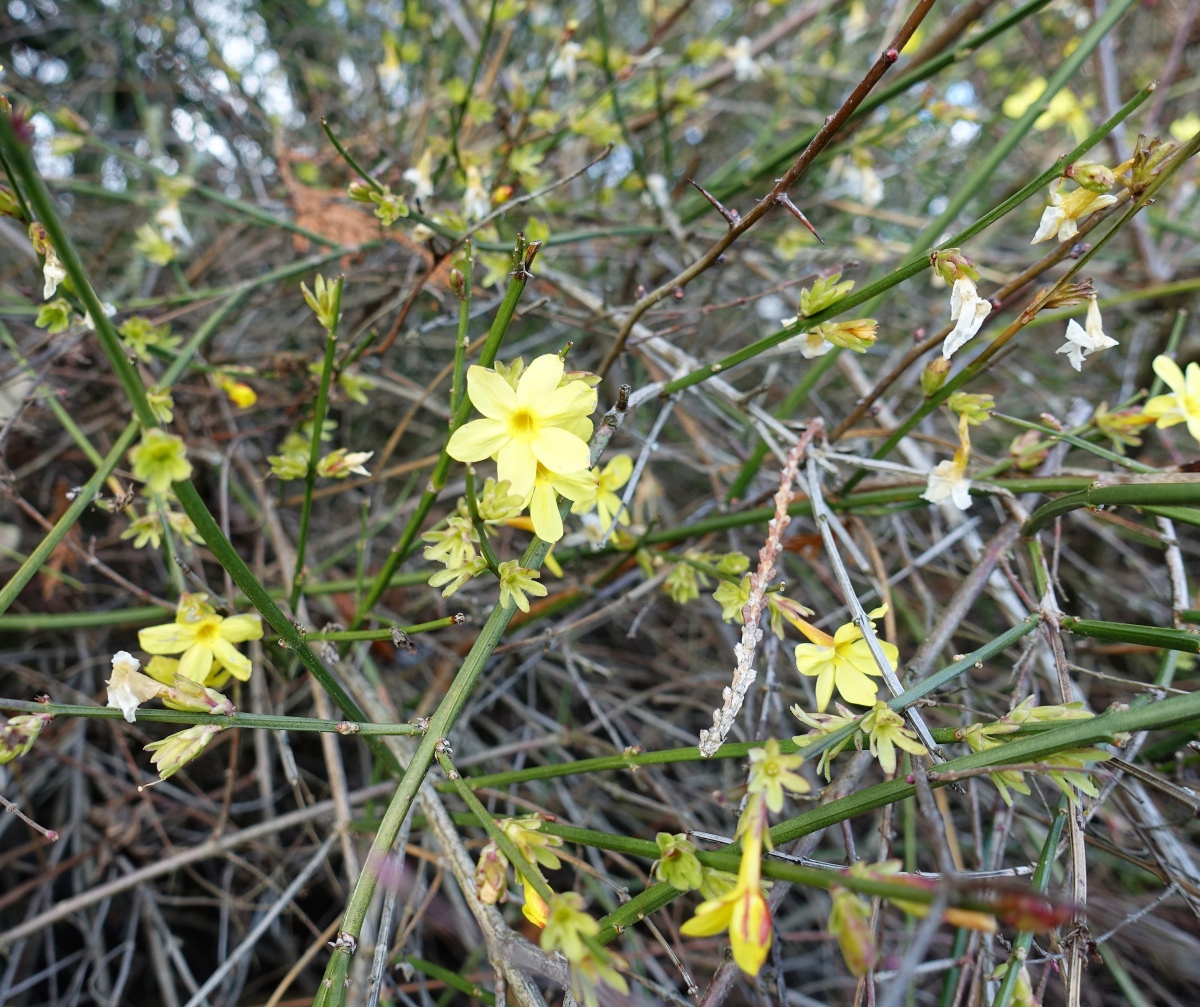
<point>522,423</point>
<point>209,631</point>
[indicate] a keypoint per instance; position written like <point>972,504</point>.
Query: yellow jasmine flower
<point>742,911</point>
<point>202,636</point>
<point>543,504</point>
<point>1183,404</point>
<point>240,393</point>
<point>771,772</point>
<point>850,923</point>
<point>1061,218</point>
<point>567,925</point>
<point>153,245</point>
<point>887,731</point>
<point>611,478</point>
<point>128,688</point>
<point>678,865</point>
<point>843,661</point>
<point>538,421</point>
<point>516,582</point>
<point>17,734</point>
<point>160,459</point>
<point>526,835</point>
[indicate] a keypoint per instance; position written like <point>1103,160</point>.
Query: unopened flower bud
<point>1093,177</point>
<point>1027,451</point>
<point>857,334</point>
<point>1068,295</point>
<point>8,204</point>
<point>491,875</point>
<point>176,750</point>
<point>18,734</point>
<point>71,120</point>
<point>934,375</point>
<point>950,264</point>
<point>458,284</point>
<point>359,191</point>
<point>189,695</point>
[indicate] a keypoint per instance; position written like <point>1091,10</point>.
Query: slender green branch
<point>533,877</point>
<point>299,575</point>
<point>258,721</point>
<point>1185,640</point>
<point>1160,493</point>
<point>1040,882</point>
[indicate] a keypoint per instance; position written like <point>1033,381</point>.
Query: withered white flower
<point>1087,338</point>
<point>969,310</point>
<point>128,687</point>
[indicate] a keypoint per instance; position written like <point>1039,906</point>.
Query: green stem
<point>255,720</point>
<point>462,339</point>
<point>533,877</point>
<point>1106,727</point>
<point>1133,494</point>
<point>1184,640</point>
<point>438,728</point>
<point>299,574</point>
<point>1040,882</point>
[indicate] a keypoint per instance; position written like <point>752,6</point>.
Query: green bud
<point>934,375</point>
<point>1093,177</point>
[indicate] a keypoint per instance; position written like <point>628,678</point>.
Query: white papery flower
<point>741,55</point>
<point>947,481</point>
<point>418,176</point>
<point>810,344</point>
<point>1086,338</point>
<point>53,273</point>
<point>128,688</point>
<point>170,224</point>
<point>969,310</point>
<point>476,203</point>
<point>563,67</point>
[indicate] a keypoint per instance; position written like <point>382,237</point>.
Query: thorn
<point>731,216</point>
<point>785,201</point>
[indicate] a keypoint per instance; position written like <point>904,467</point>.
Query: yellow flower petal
<point>750,931</point>
<point>477,440</point>
<point>559,451</point>
<point>170,638</point>
<point>517,464</point>
<point>855,687</point>
<point>490,393</point>
<point>543,509</point>
<point>1169,371</point>
<point>240,628</point>
<point>196,663</point>
<point>238,664</point>
<point>539,382</point>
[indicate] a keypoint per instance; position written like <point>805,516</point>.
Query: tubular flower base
<point>743,910</point>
